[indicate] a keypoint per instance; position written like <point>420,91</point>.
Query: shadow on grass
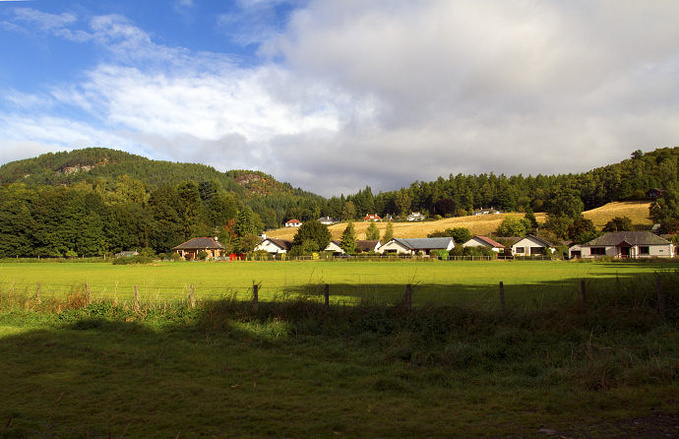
<point>295,368</point>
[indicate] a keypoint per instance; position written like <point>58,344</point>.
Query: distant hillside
<point>485,224</point>
<point>268,197</point>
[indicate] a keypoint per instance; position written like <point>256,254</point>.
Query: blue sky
<point>332,96</point>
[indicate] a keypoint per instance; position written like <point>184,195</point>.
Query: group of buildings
<point>613,244</point>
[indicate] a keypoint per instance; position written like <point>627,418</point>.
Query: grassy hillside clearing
<point>637,211</point>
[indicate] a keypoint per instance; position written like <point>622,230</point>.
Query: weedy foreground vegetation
<point>79,365</point>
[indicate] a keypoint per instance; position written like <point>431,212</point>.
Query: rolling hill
<point>637,211</point>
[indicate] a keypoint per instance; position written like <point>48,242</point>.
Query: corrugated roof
<point>631,238</point>
<point>200,244</point>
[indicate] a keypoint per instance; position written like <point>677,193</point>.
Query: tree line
<point>97,201</point>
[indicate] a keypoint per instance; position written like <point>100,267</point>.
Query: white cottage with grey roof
<point>624,245</point>
<point>415,246</point>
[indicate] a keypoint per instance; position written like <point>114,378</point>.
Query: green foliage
<point>512,226</point>
<point>348,211</point>
<point>582,230</point>
<point>372,233</point>
<point>312,236</point>
<point>666,207</point>
<point>618,224</point>
<point>348,239</point>
<point>388,233</point>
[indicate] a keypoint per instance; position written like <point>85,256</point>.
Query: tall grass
<point>292,367</point>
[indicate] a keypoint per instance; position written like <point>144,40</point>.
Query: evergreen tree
<point>312,236</point>
<point>348,240</point>
<point>372,233</point>
<point>388,233</point>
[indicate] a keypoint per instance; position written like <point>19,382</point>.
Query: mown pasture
<point>441,282</point>
<point>453,366</point>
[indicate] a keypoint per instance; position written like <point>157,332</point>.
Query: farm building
<point>532,245</point>
<point>624,245</point>
<point>373,217</point>
<point>484,241</point>
<point>193,247</point>
<point>274,246</point>
<point>415,246</point>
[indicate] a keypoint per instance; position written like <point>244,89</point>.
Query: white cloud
<point>382,93</point>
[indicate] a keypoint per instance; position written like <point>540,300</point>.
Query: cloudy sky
<point>332,96</point>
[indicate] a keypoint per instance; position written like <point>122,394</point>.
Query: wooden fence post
<point>583,293</point>
<point>255,295</point>
<point>136,299</point>
<point>87,293</point>
<point>502,299</point>
<point>193,296</point>
<point>37,293</point>
<point>661,297</point>
<point>326,295</point>
<point>408,297</point>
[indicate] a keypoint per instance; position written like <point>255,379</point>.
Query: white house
<point>372,217</point>
<point>293,223</point>
<point>486,212</point>
<point>327,220</point>
<point>624,245</point>
<point>334,247</point>
<point>532,245</point>
<point>415,216</point>
<point>414,246</point>
<point>274,246</point>
<point>484,241</point>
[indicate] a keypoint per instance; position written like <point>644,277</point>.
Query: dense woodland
<point>96,201</point>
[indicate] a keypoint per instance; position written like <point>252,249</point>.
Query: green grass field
<point>433,281</point>
<point>290,368</point>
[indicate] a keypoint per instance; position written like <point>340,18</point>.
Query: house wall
<point>654,251</point>
<point>269,247</point>
<point>332,247</point>
<point>478,243</point>
<point>394,247</point>
<point>530,247</point>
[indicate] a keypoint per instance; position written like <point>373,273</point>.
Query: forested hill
<point>92,164</point>
<point>98,201</point>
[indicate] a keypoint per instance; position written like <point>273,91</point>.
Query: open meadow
<point>441,282</point>
<point>454,365</point>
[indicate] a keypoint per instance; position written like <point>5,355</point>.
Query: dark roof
<point>366,245</point>
<point>281,243</point>
<point>631,238</point>
<point>200,244</point>
<point>489,241</point>
<point>424,243</point>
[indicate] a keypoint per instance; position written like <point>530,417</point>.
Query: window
<point>520,250</point>
<point>598,251</point>
<point>644,250</point>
